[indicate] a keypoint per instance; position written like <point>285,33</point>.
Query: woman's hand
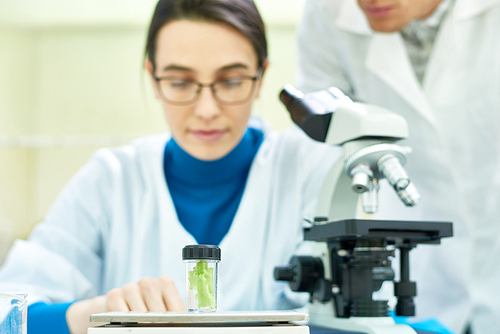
<point>156,295</point>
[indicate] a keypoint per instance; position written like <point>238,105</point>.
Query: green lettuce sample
<point>201,280</point>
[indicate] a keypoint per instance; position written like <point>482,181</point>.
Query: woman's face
<point>205,52</point>
<point>394,15</point>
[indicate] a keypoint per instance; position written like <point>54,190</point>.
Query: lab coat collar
<point>466,9</point>
<point>352,19</point>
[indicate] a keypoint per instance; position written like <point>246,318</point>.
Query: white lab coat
<point>115,223</point>
<point>454,122</point>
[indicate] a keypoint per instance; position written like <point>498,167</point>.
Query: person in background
<point>436,63</point>
<point>112,241</point>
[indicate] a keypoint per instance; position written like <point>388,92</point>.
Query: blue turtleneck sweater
<point>206,194</point>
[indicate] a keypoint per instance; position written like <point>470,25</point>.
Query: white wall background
<point>71,81</point>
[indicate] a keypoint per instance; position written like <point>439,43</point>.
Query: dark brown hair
<point>240,14</point>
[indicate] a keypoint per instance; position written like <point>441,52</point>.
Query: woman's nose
<point>207,106</point>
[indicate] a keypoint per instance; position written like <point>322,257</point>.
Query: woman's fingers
<point>115,301</point>
<point>155,295</point>
<point>171,297</point>
<point>152,295</point>
<point>134,298</point>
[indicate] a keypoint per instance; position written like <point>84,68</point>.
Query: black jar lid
<point>201,252</point>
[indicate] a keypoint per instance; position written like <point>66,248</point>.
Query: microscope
<point>352,257</point>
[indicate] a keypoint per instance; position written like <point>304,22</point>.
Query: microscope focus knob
<point>302,272</point>
<point>284,273</point>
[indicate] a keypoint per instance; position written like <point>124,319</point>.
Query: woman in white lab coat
<point>448,89</point>
<point>113,239</point>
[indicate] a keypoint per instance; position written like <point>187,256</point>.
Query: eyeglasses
<point>229,91</point>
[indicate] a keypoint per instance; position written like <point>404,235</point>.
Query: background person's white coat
<point>454,121</point>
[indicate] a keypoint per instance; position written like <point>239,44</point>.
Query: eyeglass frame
<point>212,89</point>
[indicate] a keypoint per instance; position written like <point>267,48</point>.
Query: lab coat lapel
<point>388,59</point>
<point>450,42</point>
<point>445,46</point>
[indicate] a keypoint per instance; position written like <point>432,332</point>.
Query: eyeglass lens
<point>231,90</point>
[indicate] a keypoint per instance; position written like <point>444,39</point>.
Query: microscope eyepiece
<point>289,94</point>
<point>312,112</point>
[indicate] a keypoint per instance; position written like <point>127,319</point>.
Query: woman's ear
<point>265,64</point>
<point>148,66</point>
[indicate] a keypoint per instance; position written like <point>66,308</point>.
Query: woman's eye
<point>232,83</point>
<point>180,83</point>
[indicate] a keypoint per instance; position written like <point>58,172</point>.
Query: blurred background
<point>71,81</point>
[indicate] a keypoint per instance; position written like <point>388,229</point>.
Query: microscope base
<point>380,325</point>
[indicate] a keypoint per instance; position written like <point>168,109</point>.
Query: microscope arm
<point>346,202</point>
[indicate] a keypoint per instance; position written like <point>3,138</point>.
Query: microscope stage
<point>394,231</point>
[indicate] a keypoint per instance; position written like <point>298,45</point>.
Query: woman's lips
<point>208,135</point>
<point>378,11</point>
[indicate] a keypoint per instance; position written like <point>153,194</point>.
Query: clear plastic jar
<point>202,273</point>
